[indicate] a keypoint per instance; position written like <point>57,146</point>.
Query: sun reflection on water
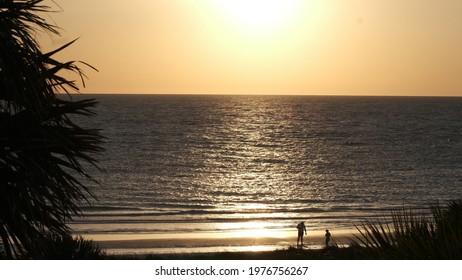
<point>253,229</point>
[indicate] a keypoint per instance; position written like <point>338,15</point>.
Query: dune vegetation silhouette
<point>413,235</point>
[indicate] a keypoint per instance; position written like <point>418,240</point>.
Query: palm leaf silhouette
<point>43,153</point>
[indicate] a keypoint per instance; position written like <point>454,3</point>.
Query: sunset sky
<point>357,47</point>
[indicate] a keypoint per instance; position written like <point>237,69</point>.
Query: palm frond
<point>43,154</point>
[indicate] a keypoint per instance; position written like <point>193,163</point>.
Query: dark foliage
<point>42,152</point>
<point>415,236</point>
<point>64,247</point>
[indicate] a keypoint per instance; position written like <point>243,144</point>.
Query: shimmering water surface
<point>226,163</point>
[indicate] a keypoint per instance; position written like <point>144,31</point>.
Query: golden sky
<point>357,47</point>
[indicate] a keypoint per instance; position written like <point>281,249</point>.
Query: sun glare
<point>259,14</point>
<point>252,230</point>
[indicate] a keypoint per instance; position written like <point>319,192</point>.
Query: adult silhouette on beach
<point>301,228</point>
<point>327,235</point>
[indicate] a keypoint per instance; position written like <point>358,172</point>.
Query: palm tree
<point>44,155</point>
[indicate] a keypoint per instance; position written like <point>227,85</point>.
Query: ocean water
<point>222,164</point>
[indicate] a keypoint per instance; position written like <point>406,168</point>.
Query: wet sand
<point>190,243</point>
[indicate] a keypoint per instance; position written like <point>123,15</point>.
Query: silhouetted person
<point>301,228</point>
<point>327,235</point>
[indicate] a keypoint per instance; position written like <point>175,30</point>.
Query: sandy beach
<point>189,243</point>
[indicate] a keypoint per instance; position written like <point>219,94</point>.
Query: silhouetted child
<point>301,228</point>
<point>327,235</point>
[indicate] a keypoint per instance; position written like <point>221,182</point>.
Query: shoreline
<point>137,244</point>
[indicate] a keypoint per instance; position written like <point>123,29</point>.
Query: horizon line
<point>266,94</point>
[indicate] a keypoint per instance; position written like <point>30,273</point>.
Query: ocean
<point>207,165</point>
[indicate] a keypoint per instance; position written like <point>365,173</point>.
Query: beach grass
<point>412,235</point>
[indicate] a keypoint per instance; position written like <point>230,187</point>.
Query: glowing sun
<point>259,14</point>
